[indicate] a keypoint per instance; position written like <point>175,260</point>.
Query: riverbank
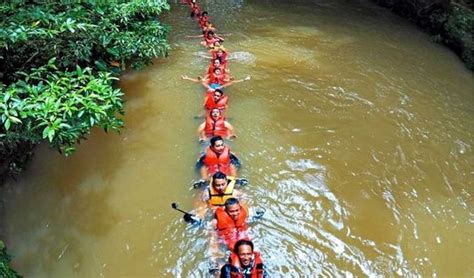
<point>449,22</point>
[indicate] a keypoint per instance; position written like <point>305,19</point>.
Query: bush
<point>459,32</point>
<point>58,62</point>
<point>5,270</point>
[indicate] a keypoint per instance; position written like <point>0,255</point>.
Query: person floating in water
<point>231,221</point>
<point>195,9</point>
<point>217,64</point>
<point>215,125</point>
<point>244,262</point>
<point>217,158</point>
<point>216,99</point>
<point>221,188</point>
<point>211,38</point>
<point>216,80</point>
<point>203,19</point>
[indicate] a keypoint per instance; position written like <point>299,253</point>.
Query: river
<point>356,133</point>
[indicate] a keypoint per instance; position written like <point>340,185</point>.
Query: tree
<point>58,62</point>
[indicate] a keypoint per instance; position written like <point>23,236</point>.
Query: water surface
<point>356,133</point>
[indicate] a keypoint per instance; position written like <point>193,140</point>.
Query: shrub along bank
<point>58,63</point>
<point>5,270</point>
<point>450,22</point>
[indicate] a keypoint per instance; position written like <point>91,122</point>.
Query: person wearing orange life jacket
<point>231,222</point>
<point>208,26</point>
<point>216,99</point>
<point>203,19</point>
<point>219,80</point>
<point>210,39</point>
<point>216,80</point>
<point>195,10</point>
<point>219,52</point>
<point>217,157</point>
<point>215,125</point>
<point>244,262</point>
<point>217,64</point>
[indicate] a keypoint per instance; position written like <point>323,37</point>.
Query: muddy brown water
<point>356,133</point>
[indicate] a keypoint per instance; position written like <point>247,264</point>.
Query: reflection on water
<point>355,132</point>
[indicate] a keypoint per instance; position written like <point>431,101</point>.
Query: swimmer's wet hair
<point>231,201</point>
<point>240,243</point>
<point>215,139</point>
<point>218,175</point>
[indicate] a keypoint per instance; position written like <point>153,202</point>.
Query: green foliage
<point>5,270</point>
<point>57,60</point>
<point>459,27</point>
<point>60,106</point>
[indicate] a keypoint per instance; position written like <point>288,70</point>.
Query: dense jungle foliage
<point>58,64</point>
<point>449,21</point>
<point>5,270</point>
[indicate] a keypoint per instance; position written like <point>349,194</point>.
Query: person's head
<point>204,13</point>
<point>244,250</point>
<point>210,34</point>
<point>219,182</point>
<point>217,62</point>
<point>217,144</point>
<point>215,113</point>
<point>217,71</point>
<point>217,94</point>
<point>233,208</point>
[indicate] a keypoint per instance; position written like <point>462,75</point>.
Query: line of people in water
<point>218,165</point>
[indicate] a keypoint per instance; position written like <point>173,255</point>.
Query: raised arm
<point>197,80</point>
<point>196,36</point>
<point>235,81</point>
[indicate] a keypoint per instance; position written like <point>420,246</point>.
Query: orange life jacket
<point>217,163</point>
<point>211,41</point>
<point>212,68</point>
<point>195,8</point>
<point>220,104</point>
<point>214,79</point>
<point>236,268</point>
<point>215,127</point>
<point>203,20</point>
<point>231,230</point>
